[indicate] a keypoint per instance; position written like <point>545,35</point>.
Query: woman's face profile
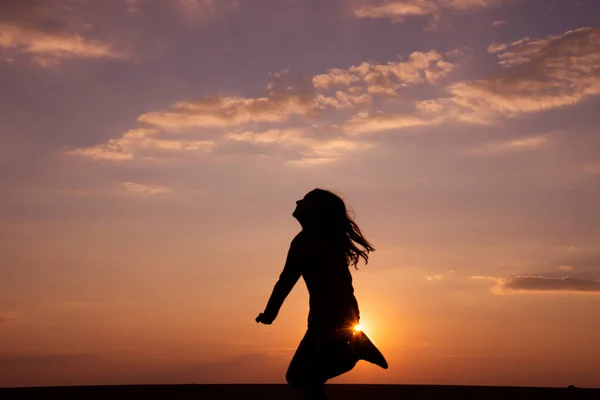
<point>304,207</point>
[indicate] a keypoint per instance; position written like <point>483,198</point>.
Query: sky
<point>151,153</point>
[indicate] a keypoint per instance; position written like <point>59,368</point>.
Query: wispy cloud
<point>542,284</point>
<point>365,123</point>
<point>48,49</point>
<point>141,141</point>
<point>496,47</point>
<point>500,23</point>
<point>144,189</point>
<point>400,10</point>
<point>419,67</point>
<point>133,6</point>
<point>43,32</point>
<point>565,268</point>
<point>512,146</point>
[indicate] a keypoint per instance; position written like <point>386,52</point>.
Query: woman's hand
<point>264,319</point>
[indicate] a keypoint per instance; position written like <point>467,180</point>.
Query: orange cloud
<point>49,48</point>
<point>301,147</point>
<point>420,67</point>
<point>400,10</point>
<point>48,32</point>
<point>364,123</point>
<point>146,189</point>
<point>139,142</point>
<point>514,145</point>
<point>558,71</point>
<point>539,75</point>
<point>496,47</point>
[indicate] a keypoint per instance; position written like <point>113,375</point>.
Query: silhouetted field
<point>272,392</point>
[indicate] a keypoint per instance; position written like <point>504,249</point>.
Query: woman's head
<point>325,212</point>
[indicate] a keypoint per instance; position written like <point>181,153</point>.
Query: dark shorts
<point>321,355</point>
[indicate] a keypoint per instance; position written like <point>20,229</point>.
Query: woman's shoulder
<point>312,241</point>
<point>305,240</point>
<point>300,239</point>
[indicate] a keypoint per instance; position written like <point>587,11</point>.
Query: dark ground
<point>284,392</point>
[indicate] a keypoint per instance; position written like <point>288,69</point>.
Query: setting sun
<point>357,328</point>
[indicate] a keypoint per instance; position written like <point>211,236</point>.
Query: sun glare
<point>357,328</point>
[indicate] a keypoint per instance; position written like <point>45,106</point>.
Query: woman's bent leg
<point>320,356</point>
<point>304,368</point>
<point>305,371</point>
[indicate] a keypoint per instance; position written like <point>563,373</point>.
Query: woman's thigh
<point>302,369</point>
<point>319,357</point>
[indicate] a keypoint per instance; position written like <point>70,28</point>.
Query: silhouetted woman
<point>329,243</point>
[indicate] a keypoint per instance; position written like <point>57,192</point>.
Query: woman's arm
<point>288,278</point>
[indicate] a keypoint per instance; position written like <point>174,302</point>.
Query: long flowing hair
<point>331,217</point>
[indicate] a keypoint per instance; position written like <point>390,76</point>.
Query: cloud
<point>556,71</point>
<point>146,189</point>
<point>285,95</point>
<point>565,268</point>
<point>133,6</point>
<point>343,100</point>
<point>543,284</point>
<point>420,67</point>
<point>540,74</point>
<point>496,48</point>
<point>365,123</point>
<point>552,51</point>
<point>299,146</point>
<point>397,10</point>
<point>400,10</point>
<point>48,33</point>
<point>222,120</point>
<point>48,49</point>
<point>511,146</point>
<point>500,23</point>
<point>140,142</point>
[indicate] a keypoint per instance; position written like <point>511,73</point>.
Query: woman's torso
<point>329,283</point>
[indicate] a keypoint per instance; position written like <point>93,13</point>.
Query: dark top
<point>325,271</point>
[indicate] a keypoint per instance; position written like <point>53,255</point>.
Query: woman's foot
<point>366,350</point>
